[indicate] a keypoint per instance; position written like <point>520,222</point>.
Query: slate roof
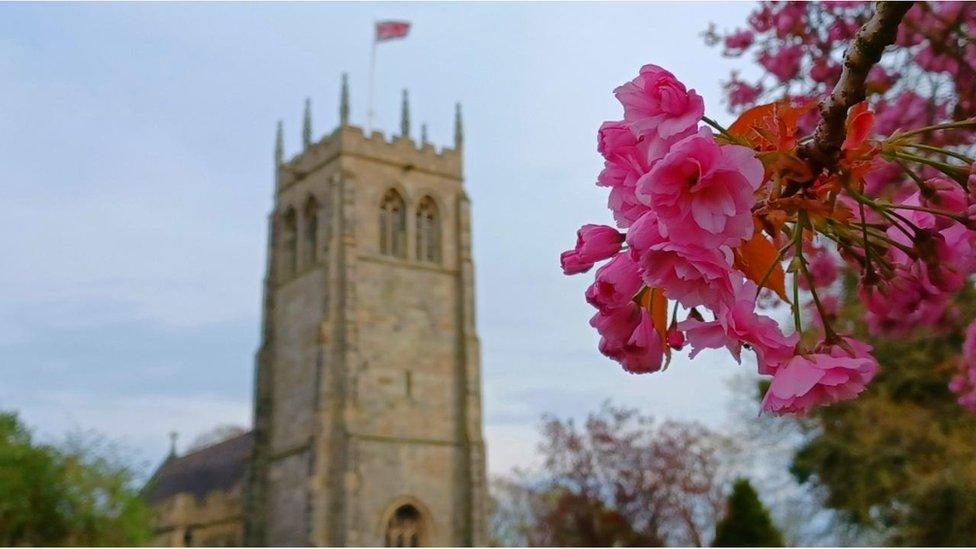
<point>216,467</point>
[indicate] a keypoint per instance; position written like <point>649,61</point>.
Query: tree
<point>76,494</point>
<point>620,480</point>
<point>899,459</point>
<point>746,522</point>
<point>902,459</point>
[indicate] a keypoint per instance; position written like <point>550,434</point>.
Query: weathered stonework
<point>197,498</point>
<point>368,395</point>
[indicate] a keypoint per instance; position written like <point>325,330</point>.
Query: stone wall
<point>186,521</point>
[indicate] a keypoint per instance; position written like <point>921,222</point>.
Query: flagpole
<point>372,70</point>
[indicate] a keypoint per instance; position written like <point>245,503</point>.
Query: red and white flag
<point>391,30</point>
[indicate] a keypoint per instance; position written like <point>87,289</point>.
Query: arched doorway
<point>405,528</point>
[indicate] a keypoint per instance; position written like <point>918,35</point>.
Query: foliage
<point>76,494</point>
<point>622,479</point>
<point>746,522</point>
<point>900,458</point>
<point>903,457</point>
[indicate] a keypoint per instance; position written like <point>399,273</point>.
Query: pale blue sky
<point>135,176</point>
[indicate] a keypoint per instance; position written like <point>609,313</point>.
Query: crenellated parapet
<point>354,141</point>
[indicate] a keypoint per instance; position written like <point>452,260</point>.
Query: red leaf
<point>771,126</point>
<point>657,306</point>
<point>858,125</point>
<point>756,257</point>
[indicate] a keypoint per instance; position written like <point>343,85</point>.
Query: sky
<point>136,161</point>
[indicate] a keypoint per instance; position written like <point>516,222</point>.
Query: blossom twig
<point>863,53</point>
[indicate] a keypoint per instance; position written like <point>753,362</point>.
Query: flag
<point>390,30</point>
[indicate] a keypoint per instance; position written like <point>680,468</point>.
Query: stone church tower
<point>367,418</point>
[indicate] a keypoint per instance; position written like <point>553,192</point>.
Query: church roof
<point>216,467</point>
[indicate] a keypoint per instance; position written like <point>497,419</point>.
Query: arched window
<point>405,529</point>
<point>428,231</point>
<point>311,231</point>
<point>290,241</point>
<point>393,225</point>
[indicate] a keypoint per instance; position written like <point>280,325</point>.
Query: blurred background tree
<point>621,479</point>
<point>902,458</point>
<point>79,493</point>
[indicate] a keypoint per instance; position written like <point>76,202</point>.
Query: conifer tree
<point>746,522</point>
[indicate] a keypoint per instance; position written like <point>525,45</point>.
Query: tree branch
<point>869,43</point>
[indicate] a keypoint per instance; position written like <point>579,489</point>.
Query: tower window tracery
<point>428,231</point>
<point>393,225</point>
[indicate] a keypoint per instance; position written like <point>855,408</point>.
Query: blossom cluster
<point>926,77</point>
<point>800,46</point>
<point>688,201</point>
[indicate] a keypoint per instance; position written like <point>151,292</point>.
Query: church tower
<point>367,391</point>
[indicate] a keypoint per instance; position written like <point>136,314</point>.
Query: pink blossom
<point>625,155</point>
<point>822,268</point>
<point>842,30</point>
<point>883,176</point>
<point>644,351</point>
<point>615,326</point>
<point>675,337</point>
<point>825,71</point>
<point>955,257</point>
<point>944,194</point>
<point>689,274</point>
<point>830,306</point>
<point>740,93</point>
<point>628,336</point>
<point>703,192</point>
<point>761,20</point>
<point>593,243</point>
<point>597,242</point>
<point>880,80</point>
<point>902,303</point>
<point>572,264</point>
<point>739,40</point>
<point>908,34</point>
<point>740,324</point>
<point>616,283</point>
<point>625,206</point>
<point>827,376</point>
<point>783,64</point>
<point>627,158</point>
<point>909,110</point>
<point>789,18</point>
<point>809,119</point>
<point>947,249</point>
<point>657,103</point>
<point>932,61</point>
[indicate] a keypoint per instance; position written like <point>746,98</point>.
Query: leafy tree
<point>620,480</point>
<point>903,457</point>
<point>77,494</point>
<point>746,522</point>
